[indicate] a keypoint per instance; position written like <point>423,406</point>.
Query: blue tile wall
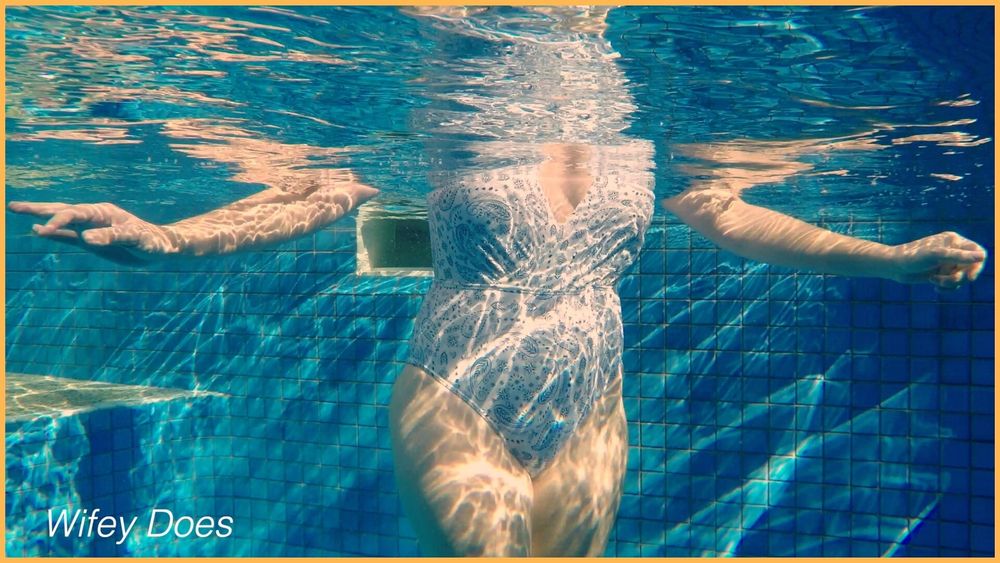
<point>771,412</point>
<point>111,461</point>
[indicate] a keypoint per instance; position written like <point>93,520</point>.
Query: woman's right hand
<point>946,260</point>
<point>102,228</point>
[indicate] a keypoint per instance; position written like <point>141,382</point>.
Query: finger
<point>959,256</point>
<point>974,270</point>
<point>103,236</point>
<point>967,244</point>
<point>35,208</point>
<point>948,274</point>
<point>949,281</point>
<point>57,233</point>
<point>57,222</point>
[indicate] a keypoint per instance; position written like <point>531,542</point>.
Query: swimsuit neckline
<point>594,183</point>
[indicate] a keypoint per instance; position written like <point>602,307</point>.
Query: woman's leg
<point>462,490</point>
<point>576,498</point>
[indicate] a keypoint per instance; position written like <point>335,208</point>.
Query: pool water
<point>771,412</point>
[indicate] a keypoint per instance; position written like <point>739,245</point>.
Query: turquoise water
<point>771,412</point>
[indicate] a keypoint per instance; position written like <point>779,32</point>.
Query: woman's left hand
<point>946,260</point>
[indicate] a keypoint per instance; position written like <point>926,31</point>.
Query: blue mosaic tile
<point>320,378</point>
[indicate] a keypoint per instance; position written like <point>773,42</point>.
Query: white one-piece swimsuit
<point>523,320</point>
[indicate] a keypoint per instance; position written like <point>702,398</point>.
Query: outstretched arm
<point>271,216</point>
<point>945,259</point>
<point>274,215</point>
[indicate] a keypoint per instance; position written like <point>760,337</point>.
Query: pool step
<point>33,396</point>
<point>122,450</point>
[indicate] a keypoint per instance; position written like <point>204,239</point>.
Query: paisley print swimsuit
<point>522,320</point>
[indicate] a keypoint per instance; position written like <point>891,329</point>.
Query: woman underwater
<point>509,431</point>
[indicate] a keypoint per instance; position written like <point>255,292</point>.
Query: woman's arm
<point>945,259</point>
<point>271,216</point>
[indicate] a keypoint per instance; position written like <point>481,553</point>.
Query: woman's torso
<point>522,319</point>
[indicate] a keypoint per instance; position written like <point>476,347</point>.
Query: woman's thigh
<point>462,490</point>
<point>576,497</point>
